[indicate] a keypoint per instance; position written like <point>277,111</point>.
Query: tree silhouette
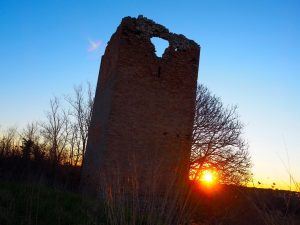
<point>217,140</point>
<point>81,105</point>
<point>27,149</point>
<point>56,131</point>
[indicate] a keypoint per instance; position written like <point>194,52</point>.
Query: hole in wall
<point>160,45</point>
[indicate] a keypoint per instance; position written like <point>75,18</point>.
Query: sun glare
<point>207,176</point>
<point>207,179</point>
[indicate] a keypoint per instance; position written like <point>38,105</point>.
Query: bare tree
<point>81,110</point>
<point>9,143</point>
<point>56,130</point>
<point>31,132</point>
<point>74,143</point>
<point>217,140</point>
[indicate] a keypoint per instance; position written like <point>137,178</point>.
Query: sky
<point>250,56</point>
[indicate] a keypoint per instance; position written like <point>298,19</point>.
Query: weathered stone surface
<point>144,108</point>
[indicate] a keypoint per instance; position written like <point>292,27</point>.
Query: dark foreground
<point>37,204</point>
<point>41,193</point>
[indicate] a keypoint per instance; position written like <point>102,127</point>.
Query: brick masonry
<point>144,108</point>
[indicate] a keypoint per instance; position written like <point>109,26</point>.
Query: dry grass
<point>141,198</point>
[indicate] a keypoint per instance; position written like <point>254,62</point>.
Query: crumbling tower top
<point>149,28</point>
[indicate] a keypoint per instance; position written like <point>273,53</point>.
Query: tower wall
<point>143,113</point>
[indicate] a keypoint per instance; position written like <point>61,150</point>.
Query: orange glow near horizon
<point>206,180</point>
<point>207,177</point>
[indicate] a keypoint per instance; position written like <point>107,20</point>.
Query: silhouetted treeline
<point>50,151</point>
<point>27,161</point>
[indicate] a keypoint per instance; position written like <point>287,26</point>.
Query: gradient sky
<point>250,56</point>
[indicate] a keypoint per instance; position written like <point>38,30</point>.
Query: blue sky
<point>250,56</point>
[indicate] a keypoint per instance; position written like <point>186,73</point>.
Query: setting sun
<point>207,176</point>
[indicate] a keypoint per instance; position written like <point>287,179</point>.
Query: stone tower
<point>144,108</point>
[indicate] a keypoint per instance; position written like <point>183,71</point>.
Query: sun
<point>208,177</point>
<point>207,180</point>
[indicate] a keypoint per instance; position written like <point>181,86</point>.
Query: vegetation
<point>40,173</point>
<point>237,205</point>
<point>62,137</point>
<point>22,204</point>
<point>27,204</point>
<point>218,144</point>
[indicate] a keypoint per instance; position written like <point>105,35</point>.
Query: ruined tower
<point>144,108</point>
